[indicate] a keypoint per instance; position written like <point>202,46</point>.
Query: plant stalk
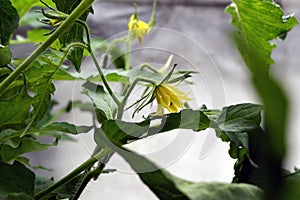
<point>127,56</point>
<point>107,86</point>
<point>80,9</point>
<point>74,173</point>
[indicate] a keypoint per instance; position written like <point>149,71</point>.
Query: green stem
<point>103,76</point>
<point>87,30</point>
<point>147,65</point>
<point>91,174</point>
<point>80,9</point>
<point>127,56</point>
<point>74,173</point>
<point>112,43</point>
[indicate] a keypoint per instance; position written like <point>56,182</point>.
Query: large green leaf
<point>75,34</point>
<point>258,22</point>
<point>240,125</point>
<point>240,118</point>
<point>155,178</point>
<point>16,181</point>
<point>121,132</point>
<point>25,145</point>
<point>116,133</point>
<point>165,186</point>
<point>9,21</point>
<point>186,119</point>
<point>15,110</point>
<point>102,100</point>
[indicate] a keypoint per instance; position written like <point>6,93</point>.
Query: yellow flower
<point>138,28</point>
<point>169,97</point>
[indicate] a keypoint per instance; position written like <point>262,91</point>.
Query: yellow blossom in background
<point>169,97</point>
<point>138,28</point>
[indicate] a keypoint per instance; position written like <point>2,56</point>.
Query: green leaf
<point>240,118</point>
<point>41,183</point>
<point>9,21</point>
<point>52,129</point>
<point>240,125</point>
<point>135,73</point>
<point>156,179</point>
<point>8,133</point>
<point>165,186</point>
<point>120,132</point>
<point>24,6</point>
<point>216,190</point>
<point>26,161</point>
<point>236,122</point>
<point>5,55</point>
<point>292,184</point>
<point>15,110</point>
<point>185,119</point>
<point>26,145</point>
<point>101,99</point>
<point>258,22</point>
<point>42,98</point>
<point>16,181</point>
<point>37,35</point>
<point>112,75</point>
<point>64,127</point>
<point>75,34</point>
<point>116,133</point>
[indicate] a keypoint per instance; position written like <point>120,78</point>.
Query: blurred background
<point>198,34</point>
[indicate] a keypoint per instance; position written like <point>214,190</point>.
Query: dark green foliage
<point>9,21</point>
<point>15,108</point>
<point>16,181</point>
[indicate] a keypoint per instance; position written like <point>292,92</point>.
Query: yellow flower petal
<point>173,96</point>
<point>138,28</point>
<point>170,97</point>
<point>164,98</point>
<point>172,109</point>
